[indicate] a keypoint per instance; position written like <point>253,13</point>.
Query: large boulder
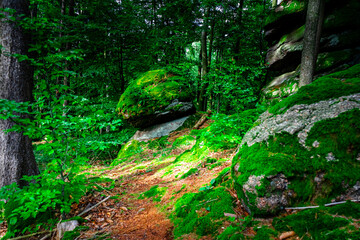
<point>304,150</point>
<point>339,44</point>
<point>156,97</point>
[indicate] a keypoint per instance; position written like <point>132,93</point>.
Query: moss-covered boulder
<point>156,97</point>
<point>304,150</point>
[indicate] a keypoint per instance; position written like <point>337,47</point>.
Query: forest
<point>179,119</point>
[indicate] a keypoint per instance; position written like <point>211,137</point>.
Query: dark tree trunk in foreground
<point>16,154</point>
<point>314,19</point>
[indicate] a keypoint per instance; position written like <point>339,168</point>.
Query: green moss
<point>231,233</point>
<point>192,171</point>
<point>327,87</point>
<point>159,143</point>
<point>348,209</point>
<point>201,213</point>
<point>130,149</point>
<point>183,141</point>
<point>155,192</point>
<point>289,8</point>
<point>152,92</point>
<point>294,36</point>
<point>283,153</point>
<point>226,131</point>
<point>331,59</point>
<point>197,153</point>
<point>222,177</point>
<point>353,72</point>
<point>264,233</point>
<point>340,234</point>
<point>310,224</point>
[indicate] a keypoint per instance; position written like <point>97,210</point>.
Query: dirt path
<point>133,218</point>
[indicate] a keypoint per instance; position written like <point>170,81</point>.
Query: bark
<point>204,64</point>
<point>211,41</point>
<point>16,154</point>
<point>202,98</point>
<point>121,68</point>
<point>238,39</point>
<point>314,19</point>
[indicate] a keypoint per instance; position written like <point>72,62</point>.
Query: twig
<point>46,236</point>
<point>32,234</point>
<point>326,205</point>
<point>89,209</point>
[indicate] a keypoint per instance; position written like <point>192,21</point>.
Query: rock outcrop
<point>159,130</point>
<point>304,150</point>
<point>339,44</point>
<point>155,97</point>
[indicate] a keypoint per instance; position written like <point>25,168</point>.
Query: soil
<point>125,216</point>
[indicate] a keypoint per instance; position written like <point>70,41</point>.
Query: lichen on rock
<point>304,149</point>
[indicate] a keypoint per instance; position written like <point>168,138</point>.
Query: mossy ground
<point>155,192</point>
<point>318,224</point>
<point>202,212</point>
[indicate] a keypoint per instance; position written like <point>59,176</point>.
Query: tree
<point>314,19</point>
<point>16,154</point>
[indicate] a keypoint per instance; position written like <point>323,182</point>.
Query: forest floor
<point>135,200</point>
<point>125,216</point>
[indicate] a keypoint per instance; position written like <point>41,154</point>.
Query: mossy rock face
<point>155,97</point>
<point>280,87</point>
<point>278,21</point>
<point>330,60</point>
<point>304,150</point>
<point>339,43</point>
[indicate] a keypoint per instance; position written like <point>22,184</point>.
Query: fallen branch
<point>202,120</point>
<point>326,205</point>
<point>46,236</point>
<point>89,209</point>
<point>32,234</point>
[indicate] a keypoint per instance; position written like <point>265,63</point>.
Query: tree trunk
<point>16,83</point>
<point>211,40</point>
<point>314,19</point>
<point>202,98</point>
<point>204,64</point>
<point>238,39</point>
